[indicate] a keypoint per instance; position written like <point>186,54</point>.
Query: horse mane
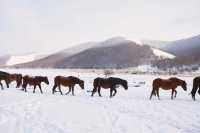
<point>41,77</point>
<point>177,80</point>
<point>119,81</point>
<point>2,72</point>
<point>75,78</point>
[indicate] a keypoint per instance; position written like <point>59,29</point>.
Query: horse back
<point>65,81</point>
<point>102,82</point>
<point>158,82</point>
<point>4,75</point>
<point>29,80</point>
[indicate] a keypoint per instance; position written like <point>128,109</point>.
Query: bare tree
<point>108,72</point>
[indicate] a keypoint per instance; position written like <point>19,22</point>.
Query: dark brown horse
<point>4,76</point>
<point>17,78</point>
<point>34,81</point>
<point>167,84</point>
<point>67,81</point>
<point>108,83</point>
<point>196,86</point>
<point>8,78</point>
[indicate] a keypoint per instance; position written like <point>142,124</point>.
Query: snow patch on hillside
<point>162,54</point>
<point>19,59</point>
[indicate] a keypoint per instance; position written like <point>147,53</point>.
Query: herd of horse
<point>111,83</point>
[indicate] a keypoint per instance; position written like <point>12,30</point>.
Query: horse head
<point>125,84</point>
<point>180,82</point>
<point>184,85</point>
<point>46,80</point>
<point>81,84</point>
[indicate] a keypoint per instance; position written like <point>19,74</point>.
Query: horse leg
<point>99,91</point>
<point>24,87</point>
<point>60,90</point>
<point>34,88</point>
<point>172,94</point>
<point>73,90</point>
<point>193,93</point>
<point>7,83</point>
<point>54,88</point>
<point>175,93</point>
<point>152,93</point>
<point>111,90</point>
<point>1,86</point>
<point>157,92</point>
<point>40,88</point>
<point>68,91</point>
<point>94,91</point>
<point>115,91</point>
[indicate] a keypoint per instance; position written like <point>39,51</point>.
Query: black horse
<point>107,83</point>
<point>4,76</point>
<point>196,86</point>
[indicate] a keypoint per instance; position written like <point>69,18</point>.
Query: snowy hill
<point>10,60</point>
<point>116,52</point>
<point>186,50</point>
<point>99,55</point>
<point>185,47</point>
<point>4,59</point>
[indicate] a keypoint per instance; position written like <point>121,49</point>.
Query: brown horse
<point>34,81</point>
<point>167,84</point>
<point>67,81</point>
<point>17,78</point>
<point>196,86</point>
<point>4,76</point>
<point>107,83</point>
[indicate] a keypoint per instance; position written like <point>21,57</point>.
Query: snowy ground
<point>129,112</point>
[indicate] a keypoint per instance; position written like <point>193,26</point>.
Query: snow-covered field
<point>129,111</point>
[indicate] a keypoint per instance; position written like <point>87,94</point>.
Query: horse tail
<point>154,86</point>
<point>153,92</point>
<point>56,83</point>
<point>195,86</point>
<point>19,80</point>
<point>95,85</point>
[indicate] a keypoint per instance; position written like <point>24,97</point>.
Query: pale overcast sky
<point>51,25</point>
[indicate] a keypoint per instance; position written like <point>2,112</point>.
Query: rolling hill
<point>116,52</point>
